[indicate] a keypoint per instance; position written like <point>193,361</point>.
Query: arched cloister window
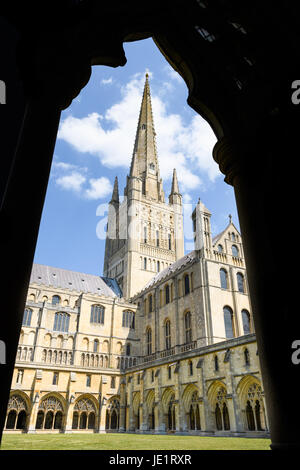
<point>220,248</point>
<point>186,284</point>
<point>50,414</point>
<point>223,278</point>
<point>167,294</point>
<point>84,414</point>
<point>149,340</point>
<point>255,414</point>
<point>172,414</point>
<point>56,300</point>
<point>240,282</point>
<point>228,321</point>
<point>97,314</point>
<point>221,411</point>
<point>17,413</point>
<point>27,317</point>
<point>194,414</point>
<point>61,322</point>
<point>188,327</point>
<point>234,250</point>
<point>168,334</point>
<point>112,414</point>
<point>246,322</point>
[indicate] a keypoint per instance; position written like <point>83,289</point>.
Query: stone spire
<point>144,163</point>
<point>115,194</point>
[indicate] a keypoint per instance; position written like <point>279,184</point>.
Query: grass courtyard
<point>128,442</point>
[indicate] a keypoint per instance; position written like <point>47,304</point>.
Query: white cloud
<point>187,146</point>
<point>107,81</point>
<point>73,181</point>
<point>99,188</point>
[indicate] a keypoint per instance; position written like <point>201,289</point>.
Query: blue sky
<point>95,144</point>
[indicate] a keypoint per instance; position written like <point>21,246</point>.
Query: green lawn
<point>128,442</point>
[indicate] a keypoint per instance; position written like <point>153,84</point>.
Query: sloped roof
<point>185,260</point>
<point>75,281</point>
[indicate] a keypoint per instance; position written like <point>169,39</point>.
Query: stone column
<point>122,406</point>
<point>34,412</point>
<point>69,417</point>
<point>102,417</point>
<point>260,167</point>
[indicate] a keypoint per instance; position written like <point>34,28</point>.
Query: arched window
<point>84,414</point>
<point>167,294</point>
<point>55,300</point>
<point>191,372</point>
<point>168,334</point>
<point>234,250</point>
<point>220,248</point>
<point>216,361</point>
<point>240,282</point>
<point>223,278</point>
<point>188,327</point>
<point>16,413</point>
<point>128,349</point>
<point>145,263</point>
<point>247,357</point>
<point>149,340</point>
<point>61,322</point>
<point>96,345</point>
<point>145,234</point>
<point>50,414</point>
<point>157,237</point>
<point>246,322</point>
<point>97,314</point>
<point>194,414</point>
<point>27,317</point>
<point>158,266</point>
<point>233,237</point>
<point>128,320</point>
<point>228,321</point>
<point>186,284</point>
<point>169,241</point>
<point>150,303</point>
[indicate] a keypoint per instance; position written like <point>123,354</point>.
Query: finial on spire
<point>230,218</point>
<point>115,194</point>
<point>175,187</point>
<point>147,75</point>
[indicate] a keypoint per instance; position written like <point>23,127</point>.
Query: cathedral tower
<point>145,234</point>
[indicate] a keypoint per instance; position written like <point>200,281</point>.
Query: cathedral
<point>163,342</point>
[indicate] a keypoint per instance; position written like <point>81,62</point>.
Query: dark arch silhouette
<point>236,60</point>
